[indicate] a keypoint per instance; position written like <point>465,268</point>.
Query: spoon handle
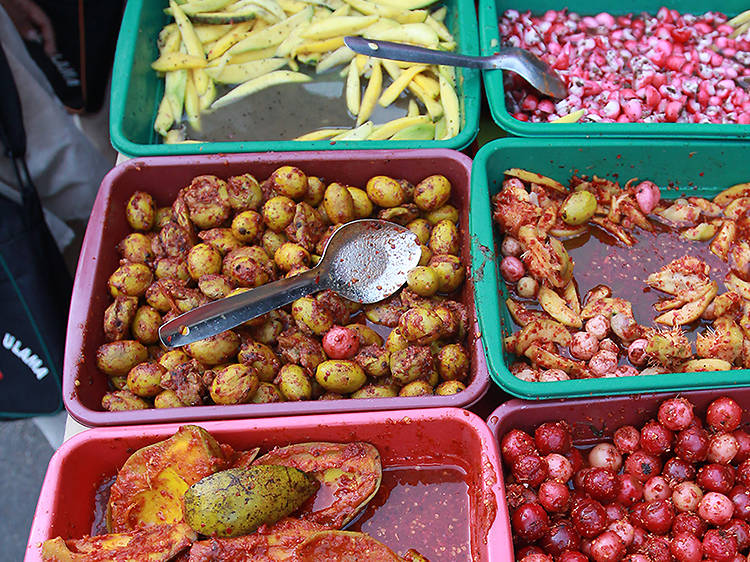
<point>227,313</point>
<point>411,53</point>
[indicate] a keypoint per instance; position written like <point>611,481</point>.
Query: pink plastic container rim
<point>95,243</point>
<point>488,505</point>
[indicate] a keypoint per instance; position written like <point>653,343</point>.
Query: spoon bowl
<point>364,261</point>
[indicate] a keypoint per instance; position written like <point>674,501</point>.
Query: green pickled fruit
<point>578,208</point>
<point>239,500</point>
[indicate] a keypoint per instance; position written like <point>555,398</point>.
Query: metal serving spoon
<point>527,65</point>
<point>364,261</point>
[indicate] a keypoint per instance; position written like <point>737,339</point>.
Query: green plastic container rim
<point>487,286</point>
<point>469,100</point>
<point>493,79</point>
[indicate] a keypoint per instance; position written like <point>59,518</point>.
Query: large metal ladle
<point>364,261</point>
<point>527,65</point>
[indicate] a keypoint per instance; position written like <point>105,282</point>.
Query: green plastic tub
<point>699,168</point>
<point>137,91</point>
<point>489,14</point>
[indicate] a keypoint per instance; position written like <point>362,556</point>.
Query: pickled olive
<point>426,255</point>
<point>145,326</point>
<point>367,336</point>
<point>214,286</point>
<point>444,238</point>
<point>450,272</point>
<point>340,375</point>
<point>311,316</point>
<point>385,191</point>
<point>143,379</point>
<point>421,228</point>
<point>376,391</point>
<point>220,238</point>
<point>385,312</point>
<point>207,201</point>
<point>278,212</point>
<point>242,267</point>
<point>123,400</point>
<point>203,259</point>
<point>267,393</point>
<point>173,358</point>
<point>140,211</point>
<point>362,205</point>
<point>168,399</point>
<point>453,362</point>
<point>175,240</point>
<point>247,226</point>
<point>446,212</point>
<point>118,317</point>
<point>315,191</point>
<point>289,181</point>
<point>136,248</point>
<point>272,241</point>
<point>163,216</point>
<point>402,215</point>
<point>338,204</point>
<point>416,388</point>
<point>449,387</point>
<point>119,382</point>
<point>118,357</point>
<point>396,341</point>
<point>290,256</point>
<point>244,192</point>
<point>130,279</point>
<point>374,360</point>
<point>234,384</point>
<point>172,268</point>
<point>261,358</point>
<point>423,281</point>
<point>432,193</point>
<point>411,363</point>
<point>216,349</point>
<point>293,383</point>
<point>578,207</point>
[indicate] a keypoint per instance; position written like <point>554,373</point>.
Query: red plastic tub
<point>595,420</point>
<point>416,448</point>
<point>84,385</point>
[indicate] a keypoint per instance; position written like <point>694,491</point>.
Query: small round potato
<point>416,388</point>
<point>242,267</point>
<point>234,384</point>
<point>140,211</point>
<point>445,238</point>
<point>385,192</point>
<point>118,357</point>
<point>173,358</point>
<point>362,205</point>
<point>410,364</point>
<point>423,281</point>
<point>446,212</point>
<point>453,363</point>
<point>449,387</point>
<point>290,256</point>
<point>311,316</point>
<point>175,240</point>
<point>158,296</point>
<point>396,341</point>
<point>216,349</point>
<point>278,212</point>
<point>315,191</point>
<point>261,358</point>
<point>294,383</point>
<point>130,279</point>
<point>168,399</point>
<point>118,316</point>
<point>421,228</point>
<point>267,393</point>
<point>376,391</point>
<point>420,325</point>
<point>374,360</point>
<point>247,226</point>
<point>203,259</point>
<point>207,200</point>
<point>338,204</point>
<point>123,400</point>
<point>214,286</point>
<point>244,192</point>
<point>272,241</point>
<point>289,181</point>
<point>450,271</point>
<point>143,379</point>
<point>162,217</point>
<point>171,268</point>
<point>367,336</point>
<point>136,248</point>
<point>340,375</point>
<point>145,326</point>
<point>432,192</point>
<point>220,238</point>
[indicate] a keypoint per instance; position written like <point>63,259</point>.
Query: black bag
<point>35,285</point>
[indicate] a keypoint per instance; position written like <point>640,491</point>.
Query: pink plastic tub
<point>595,420</point>
<point>84,385</point>
<point>415,446</point>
